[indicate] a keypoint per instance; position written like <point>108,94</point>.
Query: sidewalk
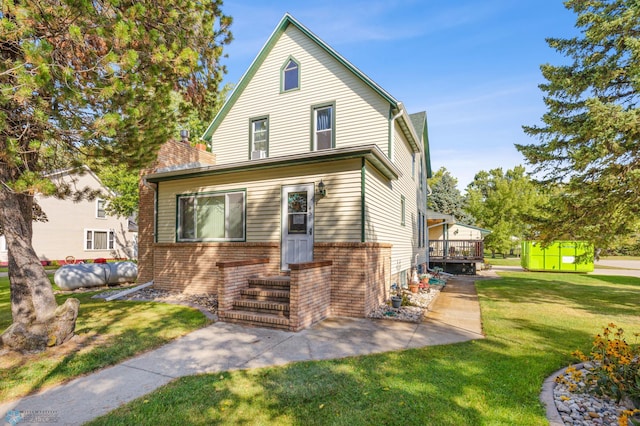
<point>455,317</point>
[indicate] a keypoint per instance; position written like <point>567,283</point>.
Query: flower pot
<point>413,288</point>
<point>396,302</point>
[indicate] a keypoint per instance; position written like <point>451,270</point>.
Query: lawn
<point>107,333</point>
<point>533,321</point>
<point>509,261</point>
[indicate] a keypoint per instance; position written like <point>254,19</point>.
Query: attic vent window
<point>290,76</point>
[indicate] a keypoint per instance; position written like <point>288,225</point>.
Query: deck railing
<point>456,250</point>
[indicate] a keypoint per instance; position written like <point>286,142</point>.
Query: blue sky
<point>474,66</point>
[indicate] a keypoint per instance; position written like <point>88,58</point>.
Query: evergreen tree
<point>589,140</point>
<point>80,82</point>
<point>446,198</point>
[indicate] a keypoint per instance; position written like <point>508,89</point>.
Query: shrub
<point>615,365</point>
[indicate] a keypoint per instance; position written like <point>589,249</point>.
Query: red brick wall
<point>360,278</point>
<point>170,154</point>
<point>235,276</point>
<point>310,294</point>
<point>191,267</point>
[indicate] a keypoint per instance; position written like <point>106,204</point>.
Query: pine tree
<point>446,197</point>
<point>80,82</point>
<point>589,140</point>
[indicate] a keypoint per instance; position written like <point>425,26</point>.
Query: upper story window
<point>290,76</point>
<point>211,217</point>
<point>259,138</point>
<point>323,127</point>
<point>100,208</point>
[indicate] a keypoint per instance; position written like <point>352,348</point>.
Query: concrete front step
<point>265,294</point>
<point>257,319</point>
<point>260,306</point>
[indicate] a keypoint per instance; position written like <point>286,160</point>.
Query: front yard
<point>533,321</point>
<point>107,333</point>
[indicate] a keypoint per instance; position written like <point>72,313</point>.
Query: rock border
<point>548,400</point>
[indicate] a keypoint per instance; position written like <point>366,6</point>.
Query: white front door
<point>297,224</point>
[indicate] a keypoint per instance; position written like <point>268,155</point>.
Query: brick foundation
<point>192,267</point>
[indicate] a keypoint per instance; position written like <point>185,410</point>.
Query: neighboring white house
<point>454,246</point>
<point>79,229</point>
<point>315,165</point>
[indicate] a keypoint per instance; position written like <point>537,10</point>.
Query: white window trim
<point>253,133</point>
<point>317,108</point>
<point>226,216</point>
<point>98,200</point>
<point>111,239</point>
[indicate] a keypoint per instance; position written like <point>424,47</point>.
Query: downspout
<point>392,129</point>
<point>363,200</point>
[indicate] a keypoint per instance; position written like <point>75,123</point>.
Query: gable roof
<point>419,121</point>
<point>483,231</point>
<point>80,171</point>
<point>285,22</point>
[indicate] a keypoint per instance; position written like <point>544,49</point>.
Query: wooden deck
<point>456,251</point>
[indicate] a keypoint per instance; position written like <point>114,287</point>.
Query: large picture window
<point>211,217</point>
<point>99,239</point>
<point>323,124</point>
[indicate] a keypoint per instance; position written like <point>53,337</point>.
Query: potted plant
<point>396,299</point>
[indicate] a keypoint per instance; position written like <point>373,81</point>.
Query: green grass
<point>509,261</point>
<point>533,321</point>
<point>110,332</point>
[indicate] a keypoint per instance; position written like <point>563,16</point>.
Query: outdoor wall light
<point>322,189</point>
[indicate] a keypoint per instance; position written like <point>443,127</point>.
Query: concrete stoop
<point>265,303</point>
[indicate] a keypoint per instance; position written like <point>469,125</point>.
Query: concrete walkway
<point>455,317</point>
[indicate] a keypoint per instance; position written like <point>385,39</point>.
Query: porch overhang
<point>448,219</point>
<point>371,153</point>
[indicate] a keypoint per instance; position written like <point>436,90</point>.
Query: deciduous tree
<point>80,82</point>
<point>506,203</point>
<point>589,139</point>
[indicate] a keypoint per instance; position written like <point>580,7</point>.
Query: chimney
<point>184,135</point>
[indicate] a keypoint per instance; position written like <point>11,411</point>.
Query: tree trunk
<point>37,321</point>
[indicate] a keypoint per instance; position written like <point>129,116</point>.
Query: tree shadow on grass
<point>595,294</point>
<point>106,333</point>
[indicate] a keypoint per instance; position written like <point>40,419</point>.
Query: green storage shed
<point>560,256</point>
